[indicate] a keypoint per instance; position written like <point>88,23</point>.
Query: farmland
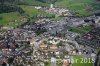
<point>10,19</point>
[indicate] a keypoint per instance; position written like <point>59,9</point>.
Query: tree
<point>60,44</point>
<point>48,1</point>
<point>0,18</point>
<point>10,60</point>
<point>3,1</point>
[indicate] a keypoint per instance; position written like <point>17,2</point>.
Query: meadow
<point>12,19</point>
<point>81,7</point>
<point>82,61</point>
<point>33,12</point>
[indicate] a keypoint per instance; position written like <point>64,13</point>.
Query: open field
<point>57,19</point>
<point>33,2</point>
<point>81,30</point>
<point>82,61</point>
<point>77,61</point>
<point>32,12</point>
<point>13,19</point>
<point>82,7</point>
<point>10,19</point>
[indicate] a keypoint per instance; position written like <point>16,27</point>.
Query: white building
<point>38,7</point>
<point>53,61</point>
<point>51,6</point>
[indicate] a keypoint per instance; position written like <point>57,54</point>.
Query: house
<point>66,62</point>
<point>38,7</point>
<point>53,48</point>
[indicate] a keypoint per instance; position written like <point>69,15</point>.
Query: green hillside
<point>18,8</point>
<point>32,12</point>
<point>39,1</point>
<point>81,7</point>
<point>82,61</point>
<point>14,18</point>
<point>10,19</point>
<point>31,2</point>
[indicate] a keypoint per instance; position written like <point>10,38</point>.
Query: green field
<point>80,30</point>
<point>33,2</point>
<point>57,19</point>
<point>32,12</point>
<point>47,63</point>
<point>98,49</point>
<point>77,61</point>
<point>10,19</point>
<point>13,19</point>
<point>82,7</point>
<point>82,61</point>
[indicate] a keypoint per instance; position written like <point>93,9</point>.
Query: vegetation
<point>57,18</point>
<point>14,9</point>
<point>47,64</point>
<point>32,12</point>
<point>11,19</point>
<point>10,8</point>
<point>81,30</point>
<point>98,49</point>
<point>59,63</point>
<point>48,1</point>
<point>40,31</point>
<point>80,7</point>
<point>10,60</point>
<point>60,44</point>
<point>82,61</point>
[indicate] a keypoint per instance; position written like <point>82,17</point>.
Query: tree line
<point>48,1</point>
<point>7,6</point>
<point>10,8</point>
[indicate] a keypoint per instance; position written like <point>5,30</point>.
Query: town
<point>47,42</point>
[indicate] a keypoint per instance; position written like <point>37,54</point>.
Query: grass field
<point>57,19</point>
<point>77,61</point>
<point>32,12</point>
<point>13,19</point>
<point>47,63</point>
<point>33,2</point>
<point>82,61</point>
<point>80,30</point>
<point>98,49</point>
<point>8,19</point>
<point>83,7</point>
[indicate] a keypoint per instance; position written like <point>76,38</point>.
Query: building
<point>51,6</point>
<point>53,61</point>
<point>65,62</point>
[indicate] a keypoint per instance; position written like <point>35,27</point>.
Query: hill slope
<point>83,7</point>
